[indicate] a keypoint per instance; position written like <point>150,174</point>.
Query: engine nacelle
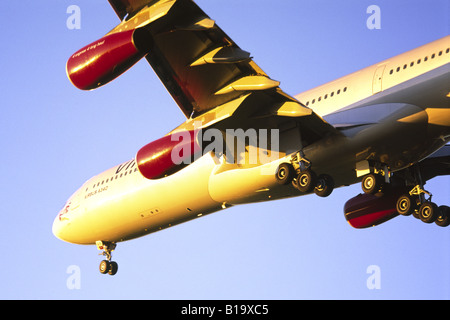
<point>104,60</point>
<point>168,155</point>
<point>366,210</point>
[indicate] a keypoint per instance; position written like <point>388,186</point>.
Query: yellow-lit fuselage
<point>400,113</point>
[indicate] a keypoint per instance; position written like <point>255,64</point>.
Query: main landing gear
<point>299,173</point>
<point>414,201</point>
<point>107,266</point>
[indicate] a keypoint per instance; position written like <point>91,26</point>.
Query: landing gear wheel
<point>104,266</point>
<point>108,267</point>
<point>324,186</point>
<point>428,212</point>
<point>113,267</point>
<point>372,183</point>
<point>443,220</point>
<point>415,214</point>
<point>306,181</point>
<point>405,205</point>
<point>285,173</point>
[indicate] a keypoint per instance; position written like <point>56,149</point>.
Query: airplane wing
<point>203,69</point>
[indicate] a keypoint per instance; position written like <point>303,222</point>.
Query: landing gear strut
<point>107,266</point>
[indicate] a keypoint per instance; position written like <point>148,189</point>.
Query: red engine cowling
<point>104,60</point>
<point>366,210</point>
<point>168,155</point>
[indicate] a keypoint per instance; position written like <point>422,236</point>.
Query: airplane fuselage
<point>396,112</point>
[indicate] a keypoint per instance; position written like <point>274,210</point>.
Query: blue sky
<point>54,137</point>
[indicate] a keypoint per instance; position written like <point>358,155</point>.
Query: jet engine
<point>168,155</point>
<point>367,210</point>
<point>104,60</point>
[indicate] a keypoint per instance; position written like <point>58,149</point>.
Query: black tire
<point>443,220</point>
<point>306,181</point>
<point>285,173</point>
<point>104,266</point>
<point>113,267</point>
<point>372,183</point>
<point>405,205</point>
<point>324,186</point>
<point>428,212</point>
<point>415,214</point>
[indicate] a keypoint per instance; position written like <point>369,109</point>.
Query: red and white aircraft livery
<point>245,140</point>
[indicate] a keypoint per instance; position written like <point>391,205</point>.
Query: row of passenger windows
<point>419,61</point>
<point>117,176</point>
<point>326,96</point>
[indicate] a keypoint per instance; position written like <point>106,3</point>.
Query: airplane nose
<point>58,227</point>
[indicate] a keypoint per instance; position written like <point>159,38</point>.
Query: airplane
<point>245,140</point>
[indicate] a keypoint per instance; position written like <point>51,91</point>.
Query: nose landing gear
<point>107,266</point>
